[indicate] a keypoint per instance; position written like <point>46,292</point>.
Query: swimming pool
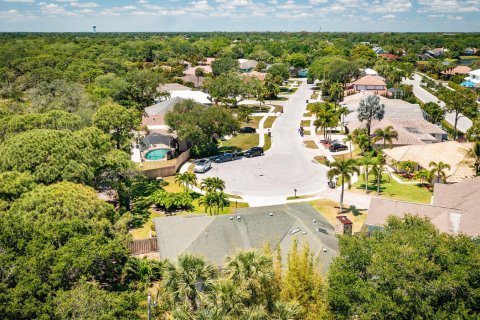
<point>156,154</point>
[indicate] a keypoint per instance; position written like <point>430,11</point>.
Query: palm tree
<point>252,272</point>
<point>185,279</point>
<point>186,179</point>
<point>212,184</point>
<point>342,112</point>
<point>423,175</point>
<point>345,169</point>
<point>370,109</point>
<point>285,311</point>
<point>387,135</point>
<point>215,200</point>
<point>438,170</point>
<point>366,162</point>
<point>474,156</point>
<point>226,296</point>
<point>349,138</point>
<point>378,168</point>
<point>207,201</point>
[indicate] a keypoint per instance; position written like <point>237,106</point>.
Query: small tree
<point>345,169</point>
<point>473,157</point>
<point>460,104</point>
<point>371,109</point>
<point>186,179</point>
<point>387,135</point>
<point>212,184</point>
<point>439,170</point>
<point>378,168</point>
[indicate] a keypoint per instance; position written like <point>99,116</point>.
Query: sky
<point>240,15</point>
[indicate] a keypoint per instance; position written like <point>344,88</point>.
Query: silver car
<point>202,166</point>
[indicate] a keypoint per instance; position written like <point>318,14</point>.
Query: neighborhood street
<point>271,178</point>
<point>463,123</point>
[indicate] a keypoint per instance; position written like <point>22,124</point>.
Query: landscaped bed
<point>394,190</point>
<point>329,210</point>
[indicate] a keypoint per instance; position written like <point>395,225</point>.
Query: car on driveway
<point>224,157</point>
<point>337,147</point>
<point>247,130</point>
<point>202,166</point>
<point>254,152</point>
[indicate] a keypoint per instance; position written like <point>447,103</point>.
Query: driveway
<point>270,179</point>
<point>463,122</point>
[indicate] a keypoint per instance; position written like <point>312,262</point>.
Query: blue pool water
<point>157,154</point>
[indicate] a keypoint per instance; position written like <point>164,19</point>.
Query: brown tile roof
<point>206,69</point>
<point>455,208</point>
<point>458,70</point>
<point>389,56</point>
<point>255,74</point>
<point>370,81</point>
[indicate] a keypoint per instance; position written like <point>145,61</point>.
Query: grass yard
<point>321,159</point>
<point>355,154</point>
<point>278,99</point>
<point>329,210</point>
<point>394,190</point>
<point>254,121</point>
<point>269,122</point>
<point>241,141</point>
<point>308,114</point>
<point>300,197</point>
<point>277,108</point>
<point>310,144</point>
<point>268,142</point>
<point>305,123</point>
<point>469,57</point>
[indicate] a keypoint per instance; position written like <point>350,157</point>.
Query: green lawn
<point>310,144</point>
<point>254,121</point>
<point>314,96</point>
<point>355,153</point>
<point>241,141</point>
<point>305,123</point>
<point>269,122</point>
<point>394,190</point>
<point>277,108</point>
<point>329,210</point>
<point>268,142</point>
<point>469,57</point>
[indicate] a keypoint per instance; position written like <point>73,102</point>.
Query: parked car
<point>224,157</point>
<point>202,166</point>
<point>247,130</point>
<point>238,155</point>
<point>337,147</point>
<point>254,152</point>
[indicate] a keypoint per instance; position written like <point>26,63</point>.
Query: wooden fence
<point>142,246</point>
<point>165,168</point>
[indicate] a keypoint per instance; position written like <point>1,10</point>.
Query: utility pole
<point>149,299</point>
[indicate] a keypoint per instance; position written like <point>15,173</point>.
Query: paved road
<point>463,123</point>
<point>286,166</point>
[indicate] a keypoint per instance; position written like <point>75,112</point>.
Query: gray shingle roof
<point>215,237</point>
<point>162,107</point>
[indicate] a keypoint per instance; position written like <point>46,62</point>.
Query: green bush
<point>174,201</point>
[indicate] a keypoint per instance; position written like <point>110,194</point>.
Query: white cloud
<point>389,17</point>
<point>449,6</point>
<point>84,5</point>
<point>391,6</point>
<point>314,2</point>
<point>455,18</point>
<point>53,9</point>
<point>19,1</point>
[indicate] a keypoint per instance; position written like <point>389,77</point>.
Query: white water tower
<point>94,28</point>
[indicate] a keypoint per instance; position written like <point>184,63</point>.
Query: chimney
<point>455,222</point>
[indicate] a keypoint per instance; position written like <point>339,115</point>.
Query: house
<point>452,153</point>
<point>190,78</point>
<point>370,72</point>
<point>206,61</point>
<point>197,96</point>
<point>255,74</point>
<point>436,53</point>
<point>474,77</point>
<point>168,87</point>
<point>470,51</point>
<point>378,50</point>
<point>389,56</point>
<point>458,70</point>
<point>246,66</point>
<point>454,209</point>
<point>423,57</point>
<point>191,70</point>
<point>370,83</point>
<point>216,237</point>
<point>302,73</point>
<point>405,118</point>
<point>153,115</point>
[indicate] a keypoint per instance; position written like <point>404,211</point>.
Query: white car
<point>202,166</point>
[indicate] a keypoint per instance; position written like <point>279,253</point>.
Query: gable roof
<point>458,70</point>
<point>454,208</point>
<point>191,70</point>
<point>370,81</point>
<point>162,107</point>
<point>215,237</point>
<point>172,87</point>
<point>248,64</point>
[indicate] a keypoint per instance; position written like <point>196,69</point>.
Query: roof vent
<point>314,221</point>
<point>231,218</point>
<point>238,217</point>
<point>271,214</point>
<point>324,249</point>
<point>304,232</point>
